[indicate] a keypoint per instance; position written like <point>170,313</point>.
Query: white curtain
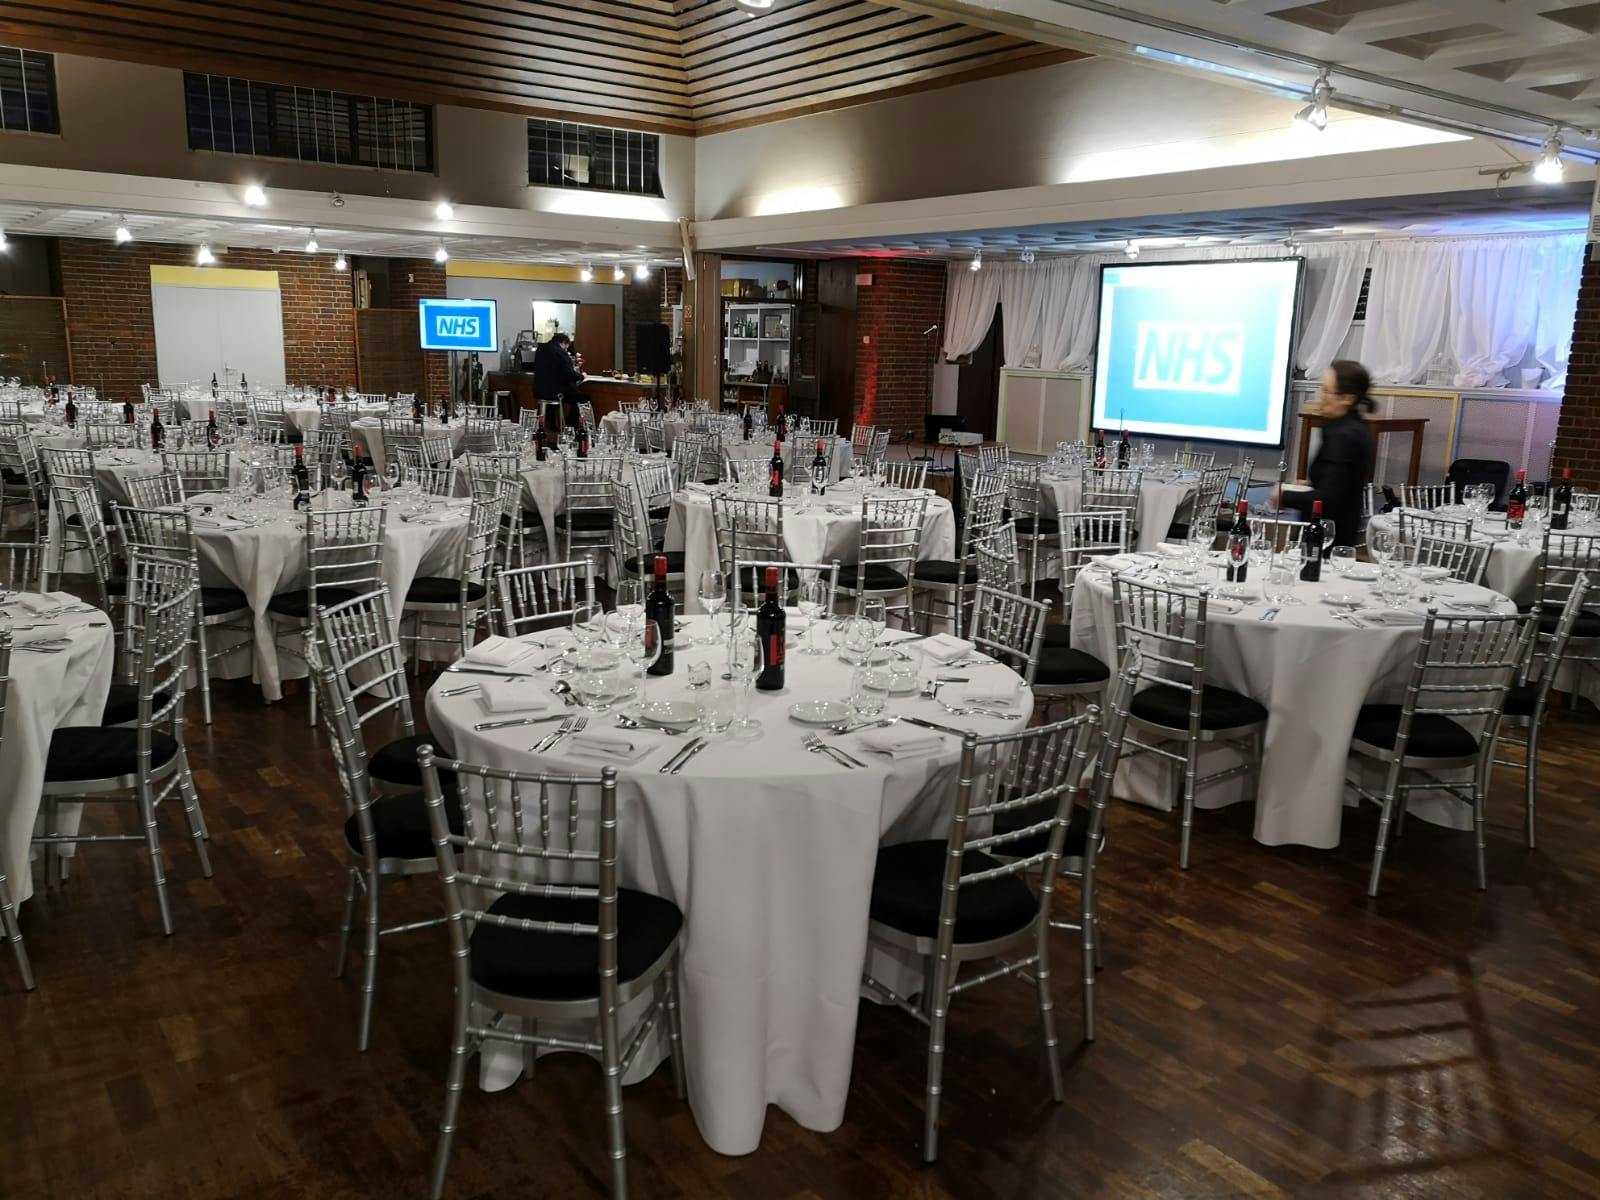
<point>1023,305</point>
<point>1332,286</point>
<point>1067,334</point>
<point>1407,307</point>
<point>1494,306</point>
<point>970,297</point>
<point>1560,269</point>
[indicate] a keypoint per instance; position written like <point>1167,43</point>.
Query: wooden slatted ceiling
<point>678,66</point>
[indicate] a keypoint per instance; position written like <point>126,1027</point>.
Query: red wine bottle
<point>72,413</point>
<point>1311,546</point>
<point>819,473</point>
<point>1239,545</point>
<point>302,479</point>
<point>358,477</point>
<point>538,444</point>
<point>779,434</point>
<point>1099,447</point>
<point>1517,502</point>
<point>775,472</point>
<point>157,433</point>
<point>1124,449</point>
<point>416,412</point>
<point>583,440</point>
<point>211,429</point>
<point>660,608</point>
<point>749,425</point>
<point>1560,501</point>
<point>213,383</point>
<point>770,622</point>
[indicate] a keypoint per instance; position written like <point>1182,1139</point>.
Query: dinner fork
<point>575,725</point>
<point>816,745</point>
<point>549,739</point>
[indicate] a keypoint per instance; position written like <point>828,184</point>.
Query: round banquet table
<point>47,691</point>
<point>1161,498</point>
<point>1312,670</point>
<point>813,530</point>
<point>368,432</point>
<point>769,851</point>
<point>616,424</point>
<point>1513,567</point>
<point>259,548</point>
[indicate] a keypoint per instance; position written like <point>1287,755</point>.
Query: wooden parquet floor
<point>1265,1031</point>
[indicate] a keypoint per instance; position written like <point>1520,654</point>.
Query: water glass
<point>867,702</point>
<point>876,614</point>
<point>588,624</point>
<point>1381,544</point>
<point>717,707</point>
<point>1341,559</point>
<point>597,682</point>
<point>630,599</point>
<point>699,676</point>
<point>813,598</point>
<point>1278,588</point>
<point>713,595</point>
<point>1394,587</point>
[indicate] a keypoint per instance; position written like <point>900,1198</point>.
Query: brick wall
<point>111,323</point>
<point>1578,437</point>
<point>641,302</point>
<point>892,355</point>
<point>410,280</point>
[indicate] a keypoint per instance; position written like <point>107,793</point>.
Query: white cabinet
<point>1040,408</point>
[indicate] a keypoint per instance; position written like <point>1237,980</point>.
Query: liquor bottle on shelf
<point>775,472</point>
<point>1560,501</point>
<point>779,434</point>
<point>1311,551</point>
<point>1099,447</point>
<point>158,433</point>
<point>1239,545</point>
<point>302,480</point>
<point>244,384</point>
<point>71,412</point>
<point>213,383</point>
<point>660,608</point>
<point>1517,502</point>
<point>212,436</point>
<point>819,472</point>
<point>770,623</point>
<point>1124,449</point>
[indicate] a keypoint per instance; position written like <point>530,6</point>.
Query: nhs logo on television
<point>458,325</point>
<point>1189,356</point>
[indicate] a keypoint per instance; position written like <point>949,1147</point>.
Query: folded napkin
<point>1171,549</point>
<point>945,647</point>
<point>34,637</point>
<point>998,693</point>
<point>901,741</point>
<point>496,651</point>
<point>1114,562</point>
<point>610,746</point>
<point>43,603</point>
<point>516,696</point>
<point>1397,617</point>
<point>216,522</point>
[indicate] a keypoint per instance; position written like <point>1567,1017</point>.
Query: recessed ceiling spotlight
<point>339,264</point>
<point>587,274</point>
<point>311,243</point>
<point>203,256</point>
<point>441,254</point>
<point>618,274</point>
<point>4,245</point>
<point>255,195</point>
<point>977,262</point>
<point>123,234</point>
<point>1549,169</point>
<point>1131,249</point>
<point>445,211</point>
<point>1314,116</point>
<point>641,272</point>
<point>756,7</point>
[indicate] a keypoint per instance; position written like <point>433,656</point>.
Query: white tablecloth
<point>811,532</point>
<point>1160,501</point>
<point>47,691</point>
<point>1513,567</point>
<point>769,851</point>
<point>1313,672</point>
<point>267,558</point>
<point>616,424</point>
<point>368,432</point>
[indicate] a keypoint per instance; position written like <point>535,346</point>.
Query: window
<point>28,92</point>
<point>561,154</point>
<point>273,120</point>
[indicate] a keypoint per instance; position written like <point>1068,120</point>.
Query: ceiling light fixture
<point>1131,249</point>
<point>4,245</point>
<point>1314,116</point>
<point>1549,168</point>
<point>587,274</point>
<point>445,211</point>
<point>641,272</point>
<point>311,243</point>
<point>203,256</point>
<point>977,262</point>
<point>255,195</point>
<point>756,7</point>
<point>123,234</point>
<point>441,254</point>
<point>618,274</point>
<point>339,264</point>
<point>1027,255</point>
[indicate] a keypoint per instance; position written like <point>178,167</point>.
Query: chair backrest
<point>747,529</point>
<point>586,413</point>
<point>588,480</point>
<point>432,481</point>
<point>1544,655</point>
<point>999,565</point>
<point>1283,534</point>
<point>83,502</point>
<point>1169,628</point>
<point>1009,627</point>
<point>801,451</point>
<point>861,438</point>
<point>1463,668</point>
<point>688,452</point>
<point>656,480</point>
<point>1086,536</point>
<point>891,533</point>
<point>745,470</point>
<point>992,458</point>
<point>1194,460</point>
<point>1464,472</point>
<point>1427,495</point>
<point>530,420</point>
<point>1208,495</point>
<point>154,491</point>
<point>1465,561</point>
<point>906,474</point>
<point>356,640</point>
<point>483,535</point>
<point>437,450</point>
<point>159,619</point>
<point>99,434</point>
<point>985,505</point>
<point>1024,494</point>
<point>327,446</point>
<point>344,548</point>
<point>1113,487</point>
<point>200,471</point>
<point>1413,523</point>
<point>481,436</point>
<point>541,597</point>
<point>1567,557</point>
<point>790,576</point>
<point>630,536</point>
<point>879,450</point>
<point>349,744</point>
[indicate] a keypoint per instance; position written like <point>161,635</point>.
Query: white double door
<point>221,331</point>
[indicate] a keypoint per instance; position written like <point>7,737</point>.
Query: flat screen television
<point>459,325</point>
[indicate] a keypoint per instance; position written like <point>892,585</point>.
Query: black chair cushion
<point>1031,814</point>
<point>91,752</point>
<point>674,563</point>
<point>214,601</point>
<point>879,578</point>
<point>1062,666</point>
<point>1042,525</point>
<point>586,520</point>
<point>1521,700</point>
<point>122,704</point>
<point>941,570</point>
<point>554,966</point>
<point>433,589</point>
<point>906,890</point>
<point>396,763</point>
<point>297,604</point>
<point>660,514</point>
<point>400,825</point>
<point>1586,626</point>
<point>1431,736</point>
<point>1219,708</point>
<point>1057,633</point>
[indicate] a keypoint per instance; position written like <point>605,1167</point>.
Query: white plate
<point>1344,599</point>
<point>669,714</point>
<point>1361,573</point>
<point>819,712</point>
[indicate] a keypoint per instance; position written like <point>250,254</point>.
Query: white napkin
<point>610,746</point>
<point>1398,617</point>
<point>220,522</point>
<point>998,693</point>
<point>48,633</point>
<point>43,603</point>
<point>1171,549</point>
<point>945,647</point>
<point>901,741</point>
<point>496,651</point>
<point>516,695</point>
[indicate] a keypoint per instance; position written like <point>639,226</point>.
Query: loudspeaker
<point>654,343</point>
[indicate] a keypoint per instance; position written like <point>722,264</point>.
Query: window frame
<point>34,60</point>
<point>603,148</point>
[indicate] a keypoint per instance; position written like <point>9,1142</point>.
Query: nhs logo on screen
<point>458,324</point>
<point>1189,356</point>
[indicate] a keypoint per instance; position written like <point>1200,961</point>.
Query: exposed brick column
<point>411,280</point>
<point>641,303</point>
<point>1578,437</point>
<point>892,355</point>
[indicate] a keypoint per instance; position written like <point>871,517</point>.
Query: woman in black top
<point>1339,472</point>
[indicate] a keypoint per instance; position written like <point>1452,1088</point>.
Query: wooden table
<point>1379,427</point>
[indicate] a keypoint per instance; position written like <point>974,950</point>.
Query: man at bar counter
<point>556,379</point>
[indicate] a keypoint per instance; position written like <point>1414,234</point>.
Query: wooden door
<point>596,337</point>
<point>836,341</point>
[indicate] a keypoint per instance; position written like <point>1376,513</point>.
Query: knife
<point>483,671</point>
<point>673,761</point>
<point>509,722</point>
<point>960,733</point>
<point>688,754</point>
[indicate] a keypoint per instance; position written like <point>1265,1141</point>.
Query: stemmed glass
<point>875,613</point>
<point>1260,551</point>
<point>1381,544</point>
<point>588,624</point>
<point>713,595</point>
<point>642,646</point>
<point>630,600</point>
<point>744,664</point>
<point>813,598</point>
<point>1202,536</point>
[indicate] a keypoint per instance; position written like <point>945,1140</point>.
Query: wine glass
<point>1202,536</point>
<point>588,624</point>
<point>630,599</point>
<point>642,647</point>
<point>1260,552</point>
<point>813,598</point>
<point>1381,544</point>
<point>713,595</point>
<point>744,664</point>
<point>839,631</point>
<point>875,613</point>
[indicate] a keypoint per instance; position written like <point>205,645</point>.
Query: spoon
<point>626,722</point>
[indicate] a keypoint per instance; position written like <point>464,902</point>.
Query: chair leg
<point>369,964</point>
<point>616,1133</point>
<point>52,850</point>
<point>1389,801</point>
<point>1480,793</point>
<point>347,921</point>
<point>152,841</point>
<point>1089,935</point>
<point>454,1080</point>
<point>1190,772</point>
<point>1047,1015</point>
<point>203,661</point>
<point>939,1010</point>
<point>1530,779</point>
<point>675,1032</point>
<point>1099,942</point>
<point>191,811</point>
<point>12,931</point>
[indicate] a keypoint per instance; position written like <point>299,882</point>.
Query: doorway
<point>978,382</point>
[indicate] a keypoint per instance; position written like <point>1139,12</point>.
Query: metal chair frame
<point>542,597</point>
<point>588,489</point>
<point>9,927</point>
<point>891,534</point>
<point>985,502</point>
<point>1427,495</point>
<point>1009,627</point>
<point>475,565</point>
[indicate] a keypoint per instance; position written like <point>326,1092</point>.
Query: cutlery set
<point>816,745</point>
<point>676,763</point>
<point>569,726</point>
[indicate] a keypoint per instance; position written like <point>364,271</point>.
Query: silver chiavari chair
<point>956,900</point>
<point>891,534</point>
<point>947,585</point>
<point>79,508</point>
<point>1466,561</point>
<point>801,450</point>
<point>1009,628</point>
<point>1283,534</point>
<point>746,472</point>
<point>482,435</point>
<point>103,435</point>
<point>994,458</point>
<point>1529,697</point>
<point>24,513</point>
<point>586,413</point>
<point>1427,495</point>
<point>632,545</point>
<point>343,560</point>
<point>544,847</point>
<point>199,471</point>
<point>1193,460</point>
<point>92,763</point>
<point>1568,556</point>
<point>1170,628</point>
<point>791,575</point>
<point>542,597</point>
<point>328,450</point>
<point>161,490</point>
<point>820,428</point>
<point>271,424</point>
<point>430,481</point>
<point>585,521</point>
<point>1414,523</point>
<point>996,560</point>
<point>1113,487</point>
<point>460,600</point>
<point>1035,526</point>
<point>688,454</point>
<point>1207,497</point>
<point>9,928</point>
<point>1445,726</point>
<point>485,472</point>
<point>747,530</point>
<point>861,439</point>
<point>656,481</point>
<point>65,471</point>
<point>1066,673</point>
<point>385,835</point>
<point>910,474</point>
<point>879,451</point>
<point>437,450</point>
